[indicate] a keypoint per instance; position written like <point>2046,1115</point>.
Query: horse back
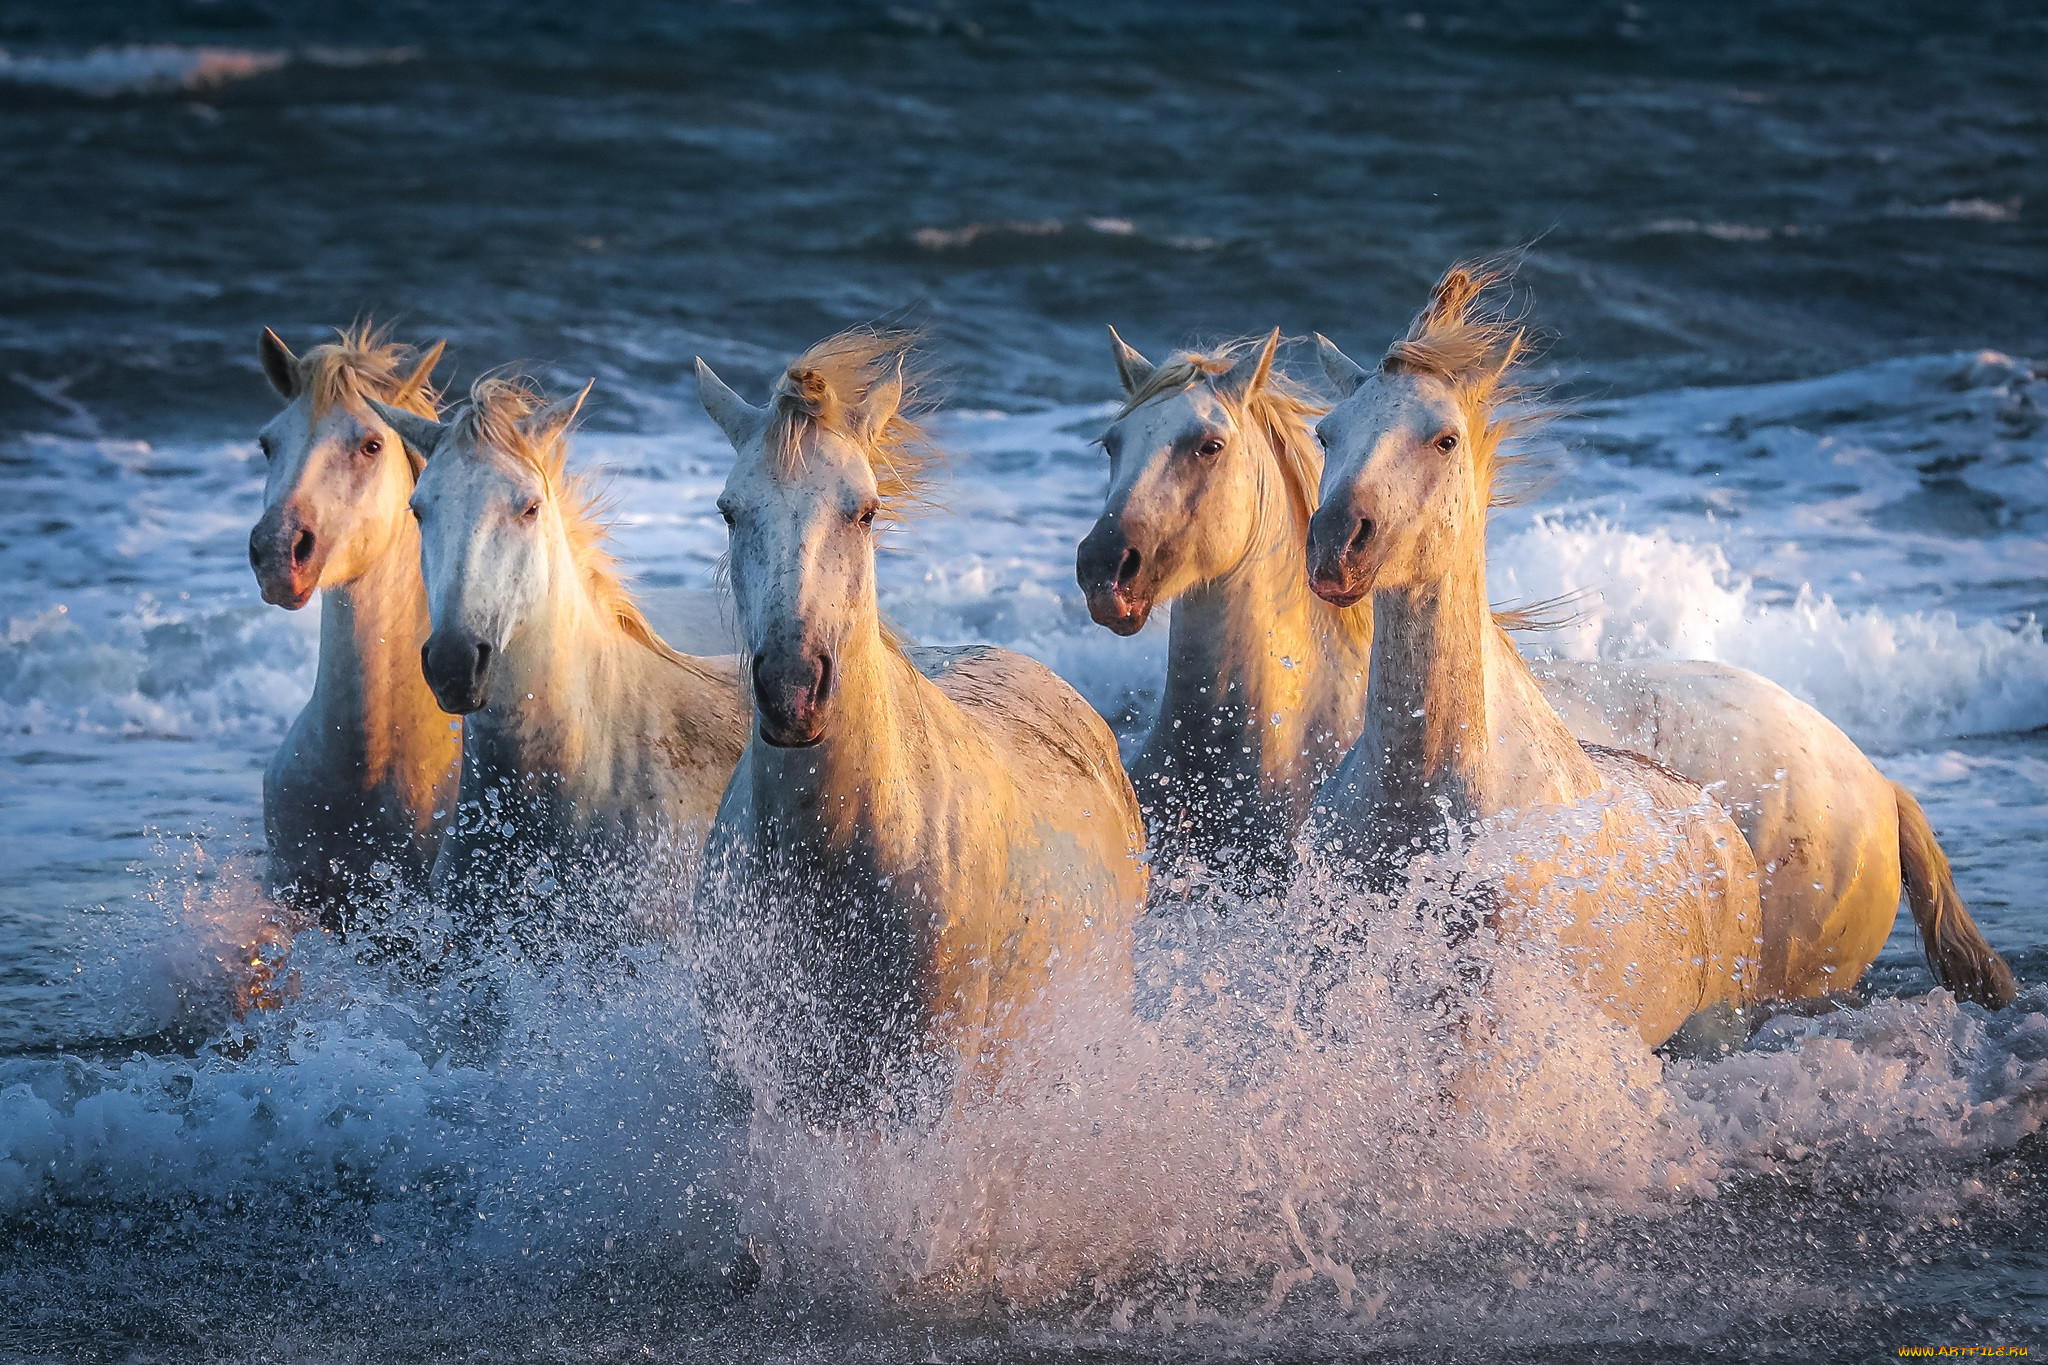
<point>1039,722</point>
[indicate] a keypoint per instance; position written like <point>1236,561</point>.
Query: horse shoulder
<point>1711,863</point>
<point>1658,787</point>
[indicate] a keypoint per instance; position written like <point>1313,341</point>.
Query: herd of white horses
<point>915,854</point>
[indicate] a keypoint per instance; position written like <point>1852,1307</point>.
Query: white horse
<point>586,740</point>
<point>1212,477</point>
<point>1646,881</point>
<point>351,800</point>
<point>1213,471</point>
<point>1457,729</point>
<point>925,855</point>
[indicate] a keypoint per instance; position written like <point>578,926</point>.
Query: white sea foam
<point>238,674</point>
<point>1888,678</point>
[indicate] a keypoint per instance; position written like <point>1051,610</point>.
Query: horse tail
<point>1955,946</point>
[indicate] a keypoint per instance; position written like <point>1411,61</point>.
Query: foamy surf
<point>1229,1170</point>
<point>1888,678</point>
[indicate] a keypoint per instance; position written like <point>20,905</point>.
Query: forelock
<point>362,362</point>
<point>820,389</point>
<point>1469,338</point>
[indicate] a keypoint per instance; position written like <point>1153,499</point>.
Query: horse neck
<point>1453,716</point>
<point>859,774</point>
<point>570,686</point>
<point>1254,643</point>
<point>368,690</point>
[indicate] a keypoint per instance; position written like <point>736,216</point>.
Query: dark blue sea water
<point>1792,266</point>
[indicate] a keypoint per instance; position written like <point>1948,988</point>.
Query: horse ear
<point>422,434</point>
<point>1131,368</point>
<point>547,426</point>
<point>736,417</point>
<point>1342,370</point>
<point>1249,375</point>
<point>881,402</point>
<point>415,385</point>
<point>280,365</point>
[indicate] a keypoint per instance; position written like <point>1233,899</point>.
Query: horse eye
<point>1447,442</point>
<point>1212,446</point>
<point>532,510</point>
<point>373,446</point>
<point>867,517</point>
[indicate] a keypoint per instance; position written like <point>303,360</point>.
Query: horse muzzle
<point>1109,568</point>
<point>457,666</point>
<point>1337,545</point>
<point>790,694</point>
<point>287,555</point>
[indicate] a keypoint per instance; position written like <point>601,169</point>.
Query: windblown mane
<point>820,390</point>
<point>1468,338</point>
<point>510,414</point>
<point>1285,412</point>
<point>363,362</point>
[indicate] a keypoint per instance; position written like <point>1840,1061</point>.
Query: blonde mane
<point>363,362</point>
<point>1285,412</point>
<point>823,388</point>
<point>510,414</point>
<point>1468,338</point>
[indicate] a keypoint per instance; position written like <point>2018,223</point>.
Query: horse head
<point>1413,448</point>
<point>499,522</point>
<point>829,455</point>
<point>1191,461</point>
<point>337,475</point>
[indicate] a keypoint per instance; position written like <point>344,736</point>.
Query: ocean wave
<point>1720,232</point>
<point>238,672</point>
<point>1972,210</point>
<point>164,68</point>
<point>1017,237</point>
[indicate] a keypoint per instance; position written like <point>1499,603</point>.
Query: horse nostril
<point>255,554</point>
<point>483,659</point>
<point>1127,568</point>
<point>1360,536</point>
<point>302,548</point>
<point>824,688</point>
